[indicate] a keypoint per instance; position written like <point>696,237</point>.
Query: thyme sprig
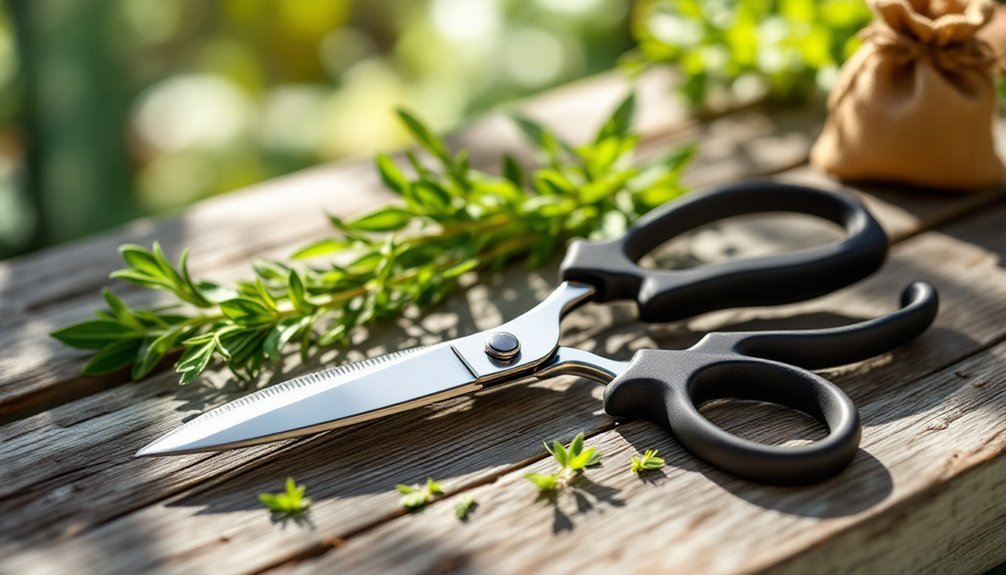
<point>648,461</point>
<point>291,502</point>
<point>572,460</point>
<point>451,219</point>
<point>415,497</point>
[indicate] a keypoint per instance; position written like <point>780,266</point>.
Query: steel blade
<point>323,400</point>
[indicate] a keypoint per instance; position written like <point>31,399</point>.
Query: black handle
<point>663,386</point>
<point>820,348</point>
<point>666,295</point>
<point>669,386</point>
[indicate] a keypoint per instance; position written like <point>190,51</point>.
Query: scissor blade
<point>323,400</point>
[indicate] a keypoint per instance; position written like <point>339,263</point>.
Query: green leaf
<point>194,361</point>
<point>165,266</point>
<point>387,219</point>
<point>392,177</point>
<point>237,345</point>
<point>549,207</point>
<point>430,198</point>
<point>338,332</point>
<point>280,335</point>
<point>587,458</point>
<point>322,247</point>
<point>270,270</point>
<point>112,357</point>
<point>414,500</point>
<point>153,351</point>
<point>192,292</point>
<point>576,447</point>
<point>620,121</point>
<point>424,136</point>
<point>118,307</point>
<point>246,311</point>
<point>432,486</point>
<point>94,334</point>
<point>647,461</point>
<point>264,295</point>
<point>140,278</point>
<point>544,482</point>
<point>297,294</point>
<point>512,171</point>
<point>560,454</point>
<point>460,268</point>
<point>290,502</point>
<point>417,496</point>
<point>465,505</point>
<point>142,260</point>
<point>605,187</point>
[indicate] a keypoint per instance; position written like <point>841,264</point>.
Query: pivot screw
<point>502,346</point>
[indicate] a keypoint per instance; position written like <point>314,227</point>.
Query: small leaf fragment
<point>543,481</point>
<point>415,497</point>
<point>647,461</point>
<point>466,504</point>
<point>291,502</point>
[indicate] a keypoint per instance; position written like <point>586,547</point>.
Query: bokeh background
<point>114,109</point>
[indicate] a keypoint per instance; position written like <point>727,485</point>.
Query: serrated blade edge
<point>324,400</point>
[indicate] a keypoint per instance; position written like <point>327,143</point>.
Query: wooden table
<point>926,493</point>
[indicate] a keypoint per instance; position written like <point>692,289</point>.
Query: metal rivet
<point>502,345</point>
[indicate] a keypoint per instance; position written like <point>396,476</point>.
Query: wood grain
<point>184,510</point>
<point>145,403</point>
<point>925,494</point>
<point>72,498</point>
<point>888,513</point>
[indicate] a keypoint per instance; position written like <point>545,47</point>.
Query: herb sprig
<point>451,219</point>
<point>289,503</point>
<point>646,462</point>
<point>466,504</point>
<point>790,49</point>
<point>572,459</point>
<point>415,497</point>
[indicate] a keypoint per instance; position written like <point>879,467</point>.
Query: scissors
<point>664,386</point>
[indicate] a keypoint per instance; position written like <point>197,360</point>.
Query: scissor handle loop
<point>669,387</point>
<point>666,295</point>
<point>749,379</point>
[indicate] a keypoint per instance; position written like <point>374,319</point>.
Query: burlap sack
<point>916,103</point>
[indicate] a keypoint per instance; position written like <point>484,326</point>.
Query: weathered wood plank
<point>897,509</point>
<point>103,409</point>
<point>68,457</point>
<point>217,521</point>
<point>925,495</point>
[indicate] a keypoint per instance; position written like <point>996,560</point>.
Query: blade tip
<point>156,449</point>
<point>147,451</point>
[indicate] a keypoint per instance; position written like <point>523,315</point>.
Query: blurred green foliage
<point>786,49</point>
<point>111,109</point>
